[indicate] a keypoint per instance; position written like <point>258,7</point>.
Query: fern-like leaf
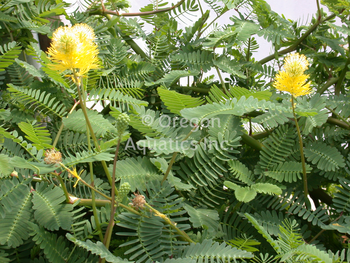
<point>175,101</point>
<point>172,77</point>
<point>14,224</point>
<point>263,232</point>
<point>38,100</point>
<point>87,156</point>
<point>136,172</point>
<point>50,210</point>
<point>76,122</point>
<point>229,66</point>
<point>97,249</point>
<point>9,52</point>
<point>326,157</point>
<point>307,253</point>
<point>214,251</point>
<point>37,134</point>
<point>196,60</point>
<point>341,198</point>
<point>5,166</point>
<point>206,218</point>
<point>55,249</point>
<point>114,96</point>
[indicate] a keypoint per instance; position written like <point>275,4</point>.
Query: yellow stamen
<point>293,79</point>
<point>73,49</point>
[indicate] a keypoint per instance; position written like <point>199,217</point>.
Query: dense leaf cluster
<point>217,159</point>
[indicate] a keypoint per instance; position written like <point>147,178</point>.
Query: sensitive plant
<point>242,172</point>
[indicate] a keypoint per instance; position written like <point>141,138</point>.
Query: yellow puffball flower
<point>293,79</point>
<point>73,48</point>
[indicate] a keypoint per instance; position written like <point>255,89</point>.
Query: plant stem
<point>88,185</point>
<point>171,224</point>
<point>224,10</point>
<point>169,167</point>
<point>319,233</point>
<point>337,122</point>
<point>61,128</point>
<point>174,156</point>
<point>88,202</point>
<point>298,41</point>
<point>221,80</point>
<point>108,234</point>
<point>93,197</point>
<point>329,83</point>
<point>83,107</point>
<point>102,12</point>
<point>337,115</point>
<point>252,142</point>
<point>318,10</point>
<point>200,7</point>
<point>64,188</point>
<point>301,146</point>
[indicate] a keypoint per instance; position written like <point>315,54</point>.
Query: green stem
<point>329,83</point>
<point>64,188</point>
<point>88,185</point>
<point>174,156</point>
<point>319,10</point>
<point>171,224</point>
<point>108,234</point>
<point>169,167</point>
<point>93,197</point>
<point>301,146</point>
<point>251,142</point>
<point>196,89</point>
<point>103,12</point>
<point>261,135</point>
<point>337,122</point>
<point>83,107</point>
<point>340,117</point>
<point>88,202</point>
<point>200,7</point>
<point>221,80</point>
<point>298,41</point>
<point>224,10</point>
<point>94,189</point>
<point>99,202</point>
<point>61,127</point>
<point>319,233</point>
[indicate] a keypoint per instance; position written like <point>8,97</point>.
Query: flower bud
<point>122,122</point>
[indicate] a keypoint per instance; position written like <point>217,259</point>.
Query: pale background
<point>298,10</point>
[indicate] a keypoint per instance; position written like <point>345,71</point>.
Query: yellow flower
<point>293,79</point>
<point>75,174</point>
<point>73,48</point>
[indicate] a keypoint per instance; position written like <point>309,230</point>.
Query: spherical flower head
<point>138,202</point>
<point>73,48</point>
<point>293,79</point>
<point>52,156</point>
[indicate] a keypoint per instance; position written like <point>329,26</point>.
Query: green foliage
<point>175,102</point>
<point>214,251</point>
<point>38,135</point>
<point>57,253</point>
<point>14,222</point>
<point>205,218</point>
<point>9,53</point>
<point>48,208</point>
<point>185,133</point>
<point>97,249</point>
<point>326,157</point>
<point>38,100</point>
